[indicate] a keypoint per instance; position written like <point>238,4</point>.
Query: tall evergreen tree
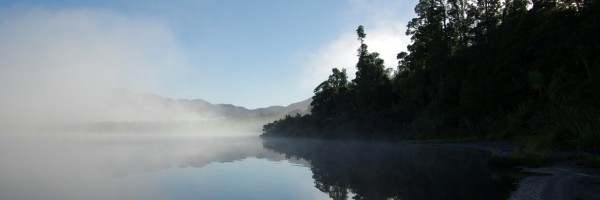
<point>371,81</point>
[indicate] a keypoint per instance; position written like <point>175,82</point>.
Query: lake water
<point>186,167</point>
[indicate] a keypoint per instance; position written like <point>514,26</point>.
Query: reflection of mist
<point>86,167</point>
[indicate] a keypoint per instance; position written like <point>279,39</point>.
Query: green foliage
<point>360,31</point>
<point>475,69</point>
<point>529,159</point>
<point>569,128</point>
<point>587,160</point>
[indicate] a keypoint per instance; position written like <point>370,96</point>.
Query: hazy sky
<point>249,53</point>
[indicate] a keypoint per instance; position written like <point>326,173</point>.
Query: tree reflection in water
<point>385,170</point>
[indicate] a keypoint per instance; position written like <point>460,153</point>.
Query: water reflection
<point>85,166</point>
<point>380,170</point>
<point>179,167</point>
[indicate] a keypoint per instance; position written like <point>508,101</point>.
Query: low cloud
<point>63,65</point>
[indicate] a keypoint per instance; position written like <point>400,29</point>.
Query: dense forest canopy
<point>474,69</point>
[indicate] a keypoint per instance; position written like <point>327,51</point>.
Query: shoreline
<point>561,180</point>
<point>564,181</point>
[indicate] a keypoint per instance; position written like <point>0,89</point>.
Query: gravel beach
<point>563,180</point>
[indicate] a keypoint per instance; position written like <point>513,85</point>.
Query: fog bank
<point>66,69</point>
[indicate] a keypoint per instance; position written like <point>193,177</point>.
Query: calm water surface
<point>176,167</point>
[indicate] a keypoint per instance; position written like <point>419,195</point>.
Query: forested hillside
<point>481,69</point>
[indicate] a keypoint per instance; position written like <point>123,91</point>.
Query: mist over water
<point>68,129</point>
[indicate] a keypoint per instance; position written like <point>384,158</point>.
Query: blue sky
<point>248,53</point>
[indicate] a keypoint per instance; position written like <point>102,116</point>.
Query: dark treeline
<point>475,69</point>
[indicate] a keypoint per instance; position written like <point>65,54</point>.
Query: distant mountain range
<point>204,109</point>
<point>233,111</point>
